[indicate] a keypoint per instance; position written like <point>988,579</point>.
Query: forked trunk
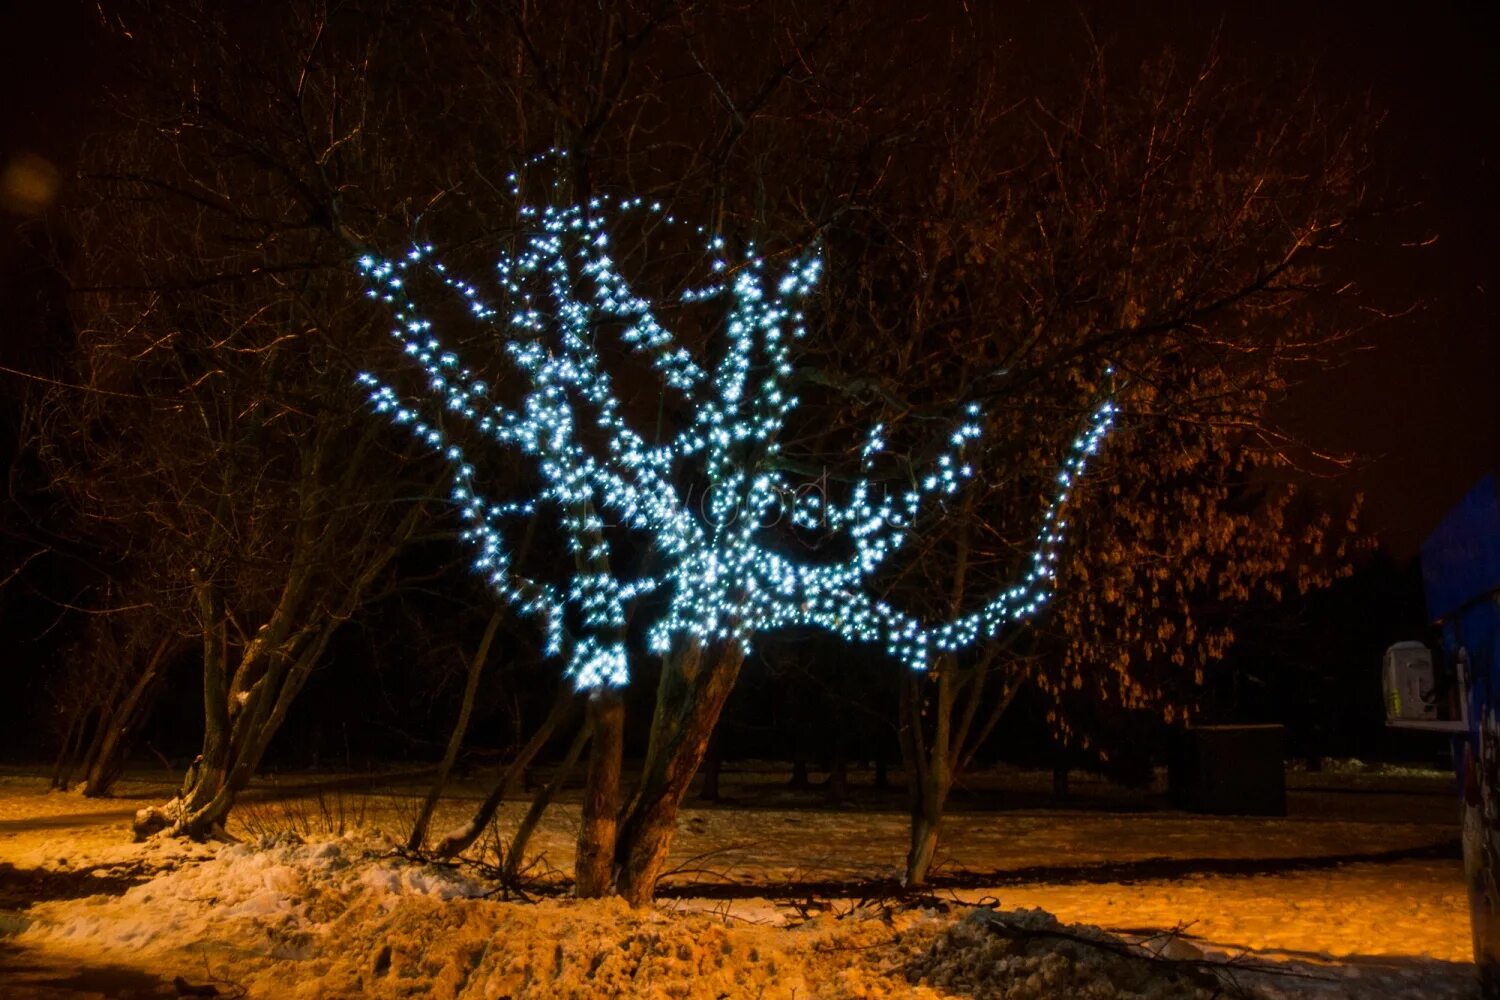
<point>233,745</point>
<point>695,684</point>
<point>67,757</point>
<point>103,718</point>
<point>243,708</point>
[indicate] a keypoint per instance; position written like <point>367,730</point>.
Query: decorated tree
<point>245,161</point>
<point>1003,231</point>
<point>684,519</point>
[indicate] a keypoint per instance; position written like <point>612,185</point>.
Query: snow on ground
<point>55,830</point>
<point>1355,888</point>
<point>343,918</point>
<point>1354,911</point>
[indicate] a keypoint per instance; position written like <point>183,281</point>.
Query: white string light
<point>722,579</point>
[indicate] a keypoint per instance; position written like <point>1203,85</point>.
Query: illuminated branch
<point>723,580</point>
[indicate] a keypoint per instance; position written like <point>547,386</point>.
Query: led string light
<point>722,580</point>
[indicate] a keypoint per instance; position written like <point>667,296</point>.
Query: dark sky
<point>1418,402</point>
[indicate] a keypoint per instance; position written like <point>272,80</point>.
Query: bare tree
<point>212,332</point>
<point>1169,224</point>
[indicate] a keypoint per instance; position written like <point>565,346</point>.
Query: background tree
<point>1166,220</point>
<point>210,315</point>
<point>133,652</point>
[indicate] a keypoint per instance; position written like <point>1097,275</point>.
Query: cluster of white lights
<point>722,581</point>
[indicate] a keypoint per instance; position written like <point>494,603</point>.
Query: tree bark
<point>243,712</point>
<point>187,815</point>
<point>102,715</point>
<point>593,866</point>
<point>230,759</point>
<point>695,684</point>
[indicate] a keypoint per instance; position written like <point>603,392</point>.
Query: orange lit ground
<point>1362,876</point>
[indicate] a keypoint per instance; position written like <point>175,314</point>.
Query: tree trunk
<point>62,770</point>
<point>836,789</point>
<point>103,716</point>
<point>543,798</point>
<point>931,762</point>
<point>188,814</point>
<point>930,771</point>
<point>234,743</point>
<point>593,866</point>
<point>107,760</point>
<point>933,765</point>
<point>233,750</point>
<point>712,765</point>
<point>460,840</point>
<point>925,826</point>
<point>799,777</point>
<point>456,737</point>
<point>695,684</point>
<point>243,710</point>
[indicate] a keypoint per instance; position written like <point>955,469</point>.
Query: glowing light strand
<point>722,581</point>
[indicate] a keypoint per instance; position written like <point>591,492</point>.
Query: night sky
<point>1415,402</point>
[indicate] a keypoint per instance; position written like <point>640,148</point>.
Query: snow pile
<point>269,897</point>
<point>346,917</point>
<point>1028,955</point>
<point>349,917</point>
<point>601,948</point>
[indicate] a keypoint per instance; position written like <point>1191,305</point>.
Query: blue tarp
<point>1461,577</point>
<point>1461,558</point>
